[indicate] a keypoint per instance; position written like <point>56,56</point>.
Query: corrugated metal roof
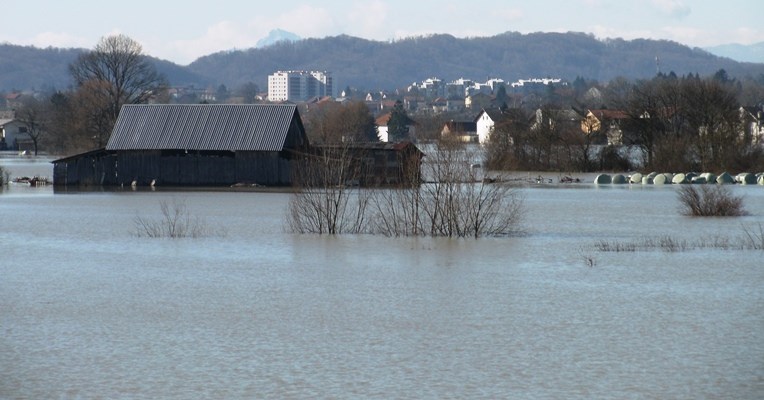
<point>218,127</point>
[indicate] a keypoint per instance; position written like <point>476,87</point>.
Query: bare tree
<point>711,110</point>
<point>550,142</point>
<point>74,123</point>
<point>505,144</point>
<point>117,67</point>
<point>460,203</point>
<point>34,115</point>
<point>499,151</point>
<point>91,109</point>
<point>356,123</point>
<point>689,123</point>
<point>248,92</point>
<point>336,123</point>
<point>327,198</point>
<point>657,119</point>
<point>454,202</point>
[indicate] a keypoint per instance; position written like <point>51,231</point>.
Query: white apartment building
<point>299,85</point>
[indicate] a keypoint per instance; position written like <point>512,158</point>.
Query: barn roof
<point>219,127</point>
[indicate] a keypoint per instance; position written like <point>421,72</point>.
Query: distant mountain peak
<point>275,36</point>
<point>753,53</point>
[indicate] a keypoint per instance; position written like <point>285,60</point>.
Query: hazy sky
<point>181,31</point>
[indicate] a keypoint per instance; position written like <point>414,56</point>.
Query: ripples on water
<point>87,310</point>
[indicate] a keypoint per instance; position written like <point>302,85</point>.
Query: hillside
<point>27,67</point>
<point>386,65</point>
<point>371,64</point>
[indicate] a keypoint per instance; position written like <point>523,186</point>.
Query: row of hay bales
<point>654,178</point>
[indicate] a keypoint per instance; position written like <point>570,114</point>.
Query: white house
<point>13,134</point>
<point>485,122</point>
<point>510,119</point>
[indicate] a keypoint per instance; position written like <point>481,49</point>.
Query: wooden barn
<point>193,145</point>
<point>371,164</point>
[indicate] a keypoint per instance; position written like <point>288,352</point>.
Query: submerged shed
<point>369,164</point>
<point>193,144</point>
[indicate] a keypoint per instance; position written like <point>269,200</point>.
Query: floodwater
<point>89,310</point>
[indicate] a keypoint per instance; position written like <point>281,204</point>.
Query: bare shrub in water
<point>327,198</point>
<point>751,239</point>
<point>454,202</point>
<point>754,237</point>
<point>709,201</point>
<point>176,222</point>
<point>5,176</point>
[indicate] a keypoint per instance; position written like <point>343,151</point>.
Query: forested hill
<point>27,67</point>
<point>510,56</point>
<point>371,64</point>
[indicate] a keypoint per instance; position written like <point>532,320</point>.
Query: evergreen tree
<point>398,125</point>
<point>501,95</point>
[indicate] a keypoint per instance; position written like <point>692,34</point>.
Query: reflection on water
<point>88,310</point>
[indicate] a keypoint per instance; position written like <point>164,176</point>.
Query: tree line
<point>674,123</point>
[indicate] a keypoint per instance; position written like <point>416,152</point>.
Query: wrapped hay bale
<point>619,179</point>
<point>603,179</point>
<point>725,179</point>
<point>679,178</point>
<point>660,179</point>
<point>746,178</point>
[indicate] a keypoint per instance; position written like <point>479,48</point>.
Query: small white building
<point>485,123</point>
<point>509,119</point>
<point>13,135</point>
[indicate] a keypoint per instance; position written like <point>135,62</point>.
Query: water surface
<point>88,310</point>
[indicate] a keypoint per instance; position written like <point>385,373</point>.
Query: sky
<point>181,31</point>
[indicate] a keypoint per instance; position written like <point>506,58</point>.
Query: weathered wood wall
<point>175,168</point>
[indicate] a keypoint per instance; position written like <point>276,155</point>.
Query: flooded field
<point>89,310</point>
